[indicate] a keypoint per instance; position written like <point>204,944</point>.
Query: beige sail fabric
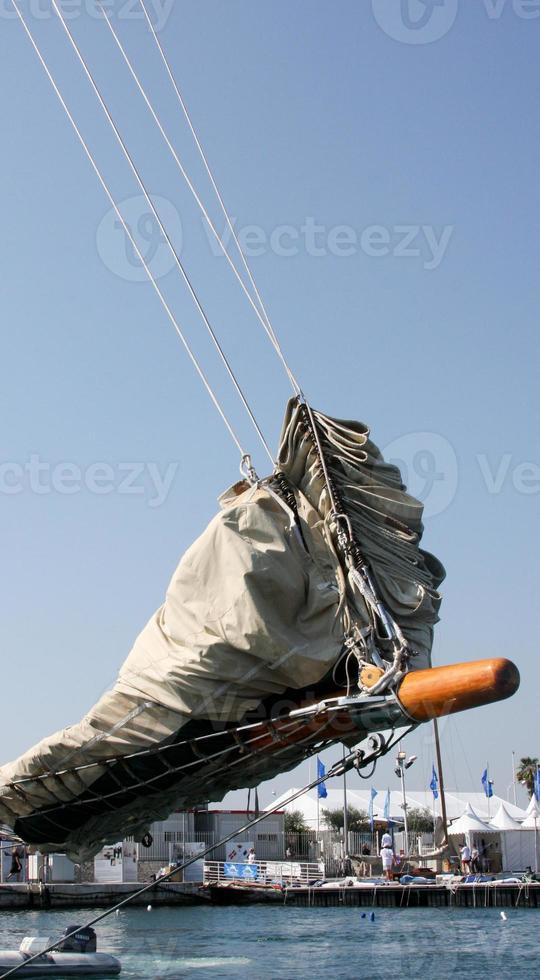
<point>386,520</point>
<point>254,608</point>
<point>249,612</point>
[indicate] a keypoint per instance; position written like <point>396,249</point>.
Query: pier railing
<point>283,873</point>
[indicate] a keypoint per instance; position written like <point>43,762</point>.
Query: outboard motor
<point>84,941</point>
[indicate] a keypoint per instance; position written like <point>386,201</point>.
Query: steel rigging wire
<point>258,307</point>
<point>129,234</point>
<point>268,326</point>
<point>245,456</point>
<point>162,228</point>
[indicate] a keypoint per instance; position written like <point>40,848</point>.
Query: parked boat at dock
<point>76,956</point>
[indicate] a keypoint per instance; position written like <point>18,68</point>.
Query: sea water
<point>267,942</point>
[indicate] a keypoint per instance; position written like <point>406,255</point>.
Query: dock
<point>95,895</point>
<point>493,894</point>
<point>480,895</point>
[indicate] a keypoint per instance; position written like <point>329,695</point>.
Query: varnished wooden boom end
<point>428,694</point>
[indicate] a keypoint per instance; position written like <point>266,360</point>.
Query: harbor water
<point>209,943</point>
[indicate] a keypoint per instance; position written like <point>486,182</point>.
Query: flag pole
<point>434,819</point>
<point>488,791</point>
<point>514,776</point>
<point>345,820</point>
<point>537,783</point>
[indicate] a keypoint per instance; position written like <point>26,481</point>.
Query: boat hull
<point>61,965</point>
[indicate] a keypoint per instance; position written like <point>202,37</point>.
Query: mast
<point>441,779</point>
<point>514,777</point>
<point>345,820</point>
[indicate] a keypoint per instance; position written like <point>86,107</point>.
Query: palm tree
<point>526,772</point>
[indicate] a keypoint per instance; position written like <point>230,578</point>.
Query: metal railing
<point>282,873</point>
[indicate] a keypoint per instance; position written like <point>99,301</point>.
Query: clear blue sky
<point>420,318</point>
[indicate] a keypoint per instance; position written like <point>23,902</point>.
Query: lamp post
<point>535,798</point>
<point>345,818</point>
<point>403,763</point>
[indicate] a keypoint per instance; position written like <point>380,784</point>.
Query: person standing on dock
<point>251,856</point>
<point>16,866</point>
<point>364,866</point>
<point>465,855</point>
<point>387,855</point>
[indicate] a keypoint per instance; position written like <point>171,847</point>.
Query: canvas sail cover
<point>253,609</point>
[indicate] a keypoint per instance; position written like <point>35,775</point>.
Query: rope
<point>337,770</point>
<point>266,321</point>
<point>148,781</point>
<point>142,753</point>
<point>162,228</point>
<point>128,233</point>
<point>259,312</point>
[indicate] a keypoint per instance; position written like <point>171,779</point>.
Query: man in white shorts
<point>387,855</point>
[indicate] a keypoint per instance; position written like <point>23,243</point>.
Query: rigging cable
<point>267,324</point>
<point>259,310</point>
<point>129,234</point>
<point>162,228</point>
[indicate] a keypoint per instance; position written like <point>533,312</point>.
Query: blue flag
<point>434,784</point>
<point>322,791</point>
<point>537,784</point>
<point>487,783</point>
<point>387,806</point>
<point>370,811</point>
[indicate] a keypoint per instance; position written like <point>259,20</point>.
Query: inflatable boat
<point>75,956</point>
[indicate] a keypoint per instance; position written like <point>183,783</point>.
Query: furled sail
<point>261,605</point>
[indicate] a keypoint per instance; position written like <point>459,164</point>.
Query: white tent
<point>517,846</point>
<point>531,822</point>
<point>533,807</point>
<point>470,823</point>
<point>503,820</point>
<point>359,797</point>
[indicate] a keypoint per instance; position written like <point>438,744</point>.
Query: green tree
<point>526,772</point>
<point>295,823</point>
<point>357,820</point>
<point>419,820</point>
